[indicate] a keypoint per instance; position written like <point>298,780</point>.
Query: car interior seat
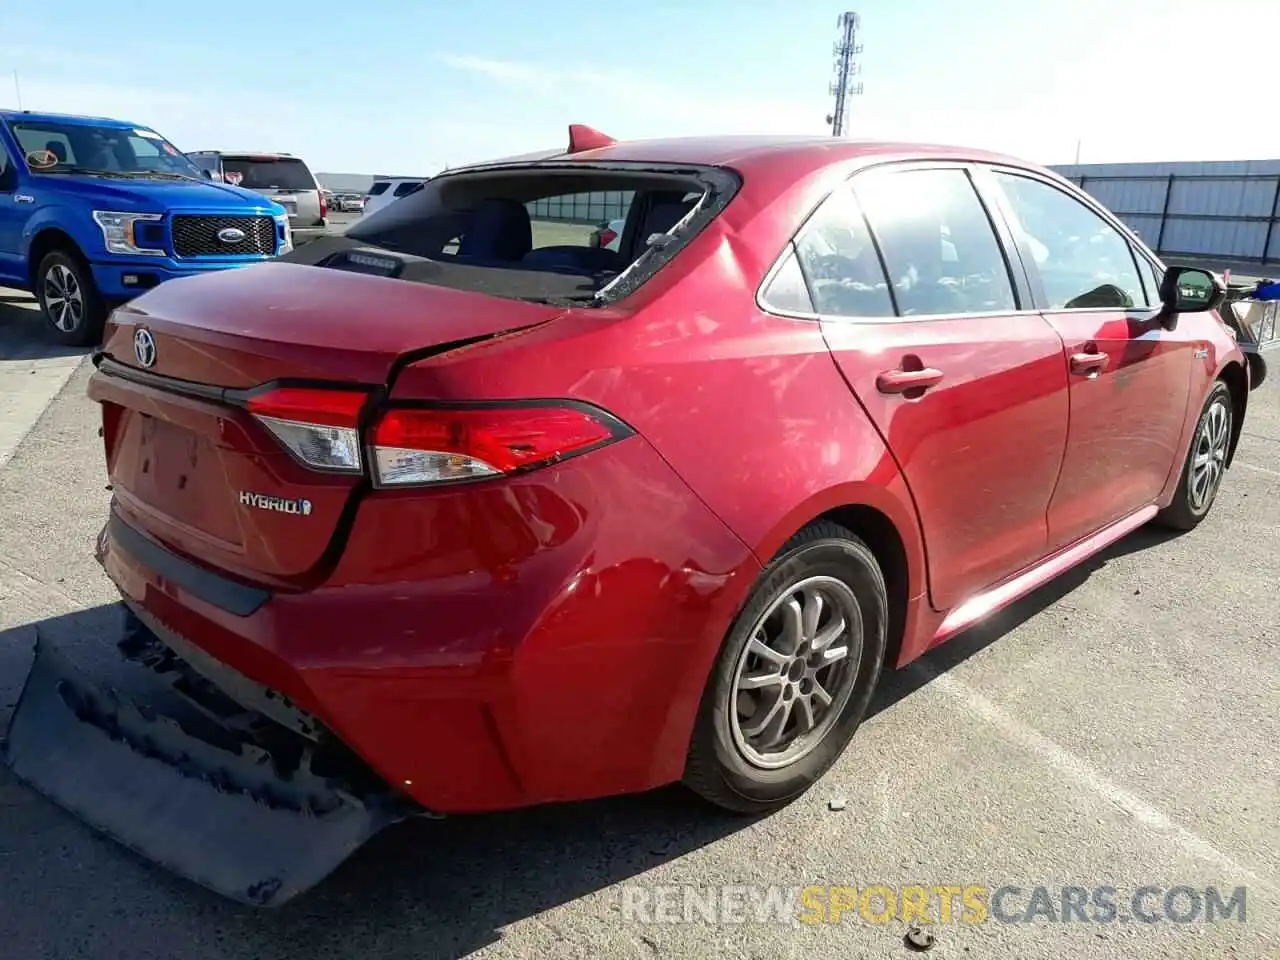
<point>499,230</point>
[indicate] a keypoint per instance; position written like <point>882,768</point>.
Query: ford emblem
<point>230,235</point>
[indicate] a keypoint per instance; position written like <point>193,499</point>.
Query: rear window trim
<point>720,184</point>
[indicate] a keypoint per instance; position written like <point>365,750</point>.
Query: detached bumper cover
<point>220,795</point>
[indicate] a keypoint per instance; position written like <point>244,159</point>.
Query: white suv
<point>389,189</point>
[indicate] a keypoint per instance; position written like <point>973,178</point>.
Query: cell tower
<point>847,68</point>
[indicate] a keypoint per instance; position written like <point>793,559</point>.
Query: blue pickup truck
<point>95,211</point>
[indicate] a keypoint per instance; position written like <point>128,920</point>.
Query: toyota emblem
<point>230,235</point>
<point>144,347</point>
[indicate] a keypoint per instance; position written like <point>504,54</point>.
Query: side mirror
<point>1191,290</point>
<point>8,177</point>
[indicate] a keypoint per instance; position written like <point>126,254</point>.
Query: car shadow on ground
<point>429,888</point>
<point>23,335</point>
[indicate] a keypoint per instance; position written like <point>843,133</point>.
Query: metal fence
<point>588,208</point>
<point>1227,211</point>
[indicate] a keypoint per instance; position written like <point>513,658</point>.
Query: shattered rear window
<point>534,231</point>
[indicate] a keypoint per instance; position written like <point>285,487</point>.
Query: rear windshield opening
<point>544,232</point>
<point>285,173</point>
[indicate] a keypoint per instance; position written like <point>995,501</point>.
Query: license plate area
<point>175,472</point>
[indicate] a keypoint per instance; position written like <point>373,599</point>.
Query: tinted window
<point>787,292</point>
<point>35,139</point>
<point>404,189</point>
<point>1082,261</point>
<point>840,263</point>
<point>378,188</point>
<point>938,244</point>
<point>265,173</point>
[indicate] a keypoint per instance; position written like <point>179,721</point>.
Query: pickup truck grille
<point>199,236</point>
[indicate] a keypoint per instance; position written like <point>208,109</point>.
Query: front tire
<point>794,676</point>
<point>1205,464</point>
<point>69,299</point>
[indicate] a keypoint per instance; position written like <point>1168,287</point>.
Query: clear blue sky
<point>406,86</point>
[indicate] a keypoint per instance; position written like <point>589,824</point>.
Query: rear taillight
<point>607,237</point>
<point>412,446</point>
<point>319,427</point>
<point>324,206</point>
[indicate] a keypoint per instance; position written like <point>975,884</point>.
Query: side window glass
<point>1082,261</point>
<point>38,140</point>
<point>787,292</point>
<point>1151,278</point>
<point>938,243</point>
<point>4,167</point>
<point>839,262</point>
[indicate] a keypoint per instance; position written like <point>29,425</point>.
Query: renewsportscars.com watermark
<point>935,903</point>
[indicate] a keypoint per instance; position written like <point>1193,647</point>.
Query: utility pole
<point>17,88</point>
<point>846,68</point>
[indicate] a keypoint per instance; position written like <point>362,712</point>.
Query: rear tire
<point>744,756</point>
<point>69,300</point>
<point>1205,464</point>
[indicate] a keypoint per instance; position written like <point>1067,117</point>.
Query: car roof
<point>67,118</point>
<point>245,154</point>
<point>799,155</point>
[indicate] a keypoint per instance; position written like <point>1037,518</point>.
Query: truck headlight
<point>286,235</point>
<point>120,232</point>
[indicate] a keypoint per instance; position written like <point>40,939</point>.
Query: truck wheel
<point>795,674</point>
<point>69,299</point>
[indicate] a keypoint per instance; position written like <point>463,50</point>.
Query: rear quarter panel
<point>748,408</point>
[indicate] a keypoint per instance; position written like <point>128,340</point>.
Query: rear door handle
<point>902,381</point>
<point>1088,362</point>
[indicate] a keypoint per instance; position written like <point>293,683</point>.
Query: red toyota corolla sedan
<point>519,519</point>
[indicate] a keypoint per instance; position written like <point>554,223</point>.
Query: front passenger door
<point>1130,377</point>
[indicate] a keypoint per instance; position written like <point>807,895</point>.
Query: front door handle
<point>905,381</point>
<point>1088,362</point>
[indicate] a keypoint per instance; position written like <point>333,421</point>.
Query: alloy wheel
<point>1209,455</point>
<point>796,673</point>
<point>63,298</point>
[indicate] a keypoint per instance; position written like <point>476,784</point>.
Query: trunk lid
<point>250,325</point>
<point>192,468</point>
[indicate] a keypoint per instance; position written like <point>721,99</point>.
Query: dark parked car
<point>474,524</point>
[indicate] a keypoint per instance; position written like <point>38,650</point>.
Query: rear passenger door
<point>1130,377</point>
<point>926,319</point>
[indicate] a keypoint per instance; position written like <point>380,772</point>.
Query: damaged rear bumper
<point>225,796</point>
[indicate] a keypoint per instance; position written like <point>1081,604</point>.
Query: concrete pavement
<point>1118,728</point>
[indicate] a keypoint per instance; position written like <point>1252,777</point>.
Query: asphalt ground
<point>1117,729</point>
